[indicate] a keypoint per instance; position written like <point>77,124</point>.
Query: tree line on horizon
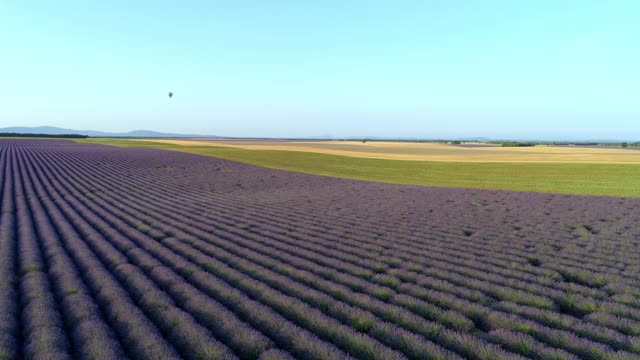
<point>24,135</point>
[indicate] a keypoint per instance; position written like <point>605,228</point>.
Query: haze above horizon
<point>429,69</point>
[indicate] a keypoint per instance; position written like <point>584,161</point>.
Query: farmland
<point>589,177</point>
<point>110,253</point>
<point>429,151</point>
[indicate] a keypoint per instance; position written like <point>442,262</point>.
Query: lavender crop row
<point>110,253</point>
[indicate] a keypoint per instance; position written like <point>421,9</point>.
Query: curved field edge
<point>564,178</point>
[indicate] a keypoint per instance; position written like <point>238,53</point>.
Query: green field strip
<point>565,178</point>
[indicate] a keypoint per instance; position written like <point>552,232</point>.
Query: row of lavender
<point>599,330</point>
<point>111,253</point>
<point>462,325</point>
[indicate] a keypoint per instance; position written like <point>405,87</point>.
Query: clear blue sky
<point>446,68</point>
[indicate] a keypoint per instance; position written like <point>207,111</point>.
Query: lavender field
<point>115,253</point>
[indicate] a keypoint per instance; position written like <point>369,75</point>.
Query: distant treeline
<point>65,136</point>
<point>505,143</point>
<point>517,144</point>
<point>623,144</point>
<point>429,141</point>
<point>562,143</point>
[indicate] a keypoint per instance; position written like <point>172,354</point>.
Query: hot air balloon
<point>170,94</point>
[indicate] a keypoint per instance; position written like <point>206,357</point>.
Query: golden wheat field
<point>432,151</point>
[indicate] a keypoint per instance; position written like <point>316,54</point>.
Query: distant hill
<point>51,130</point>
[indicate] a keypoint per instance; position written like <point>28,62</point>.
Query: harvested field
<point>432,151</point>
<point>109,253</point>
